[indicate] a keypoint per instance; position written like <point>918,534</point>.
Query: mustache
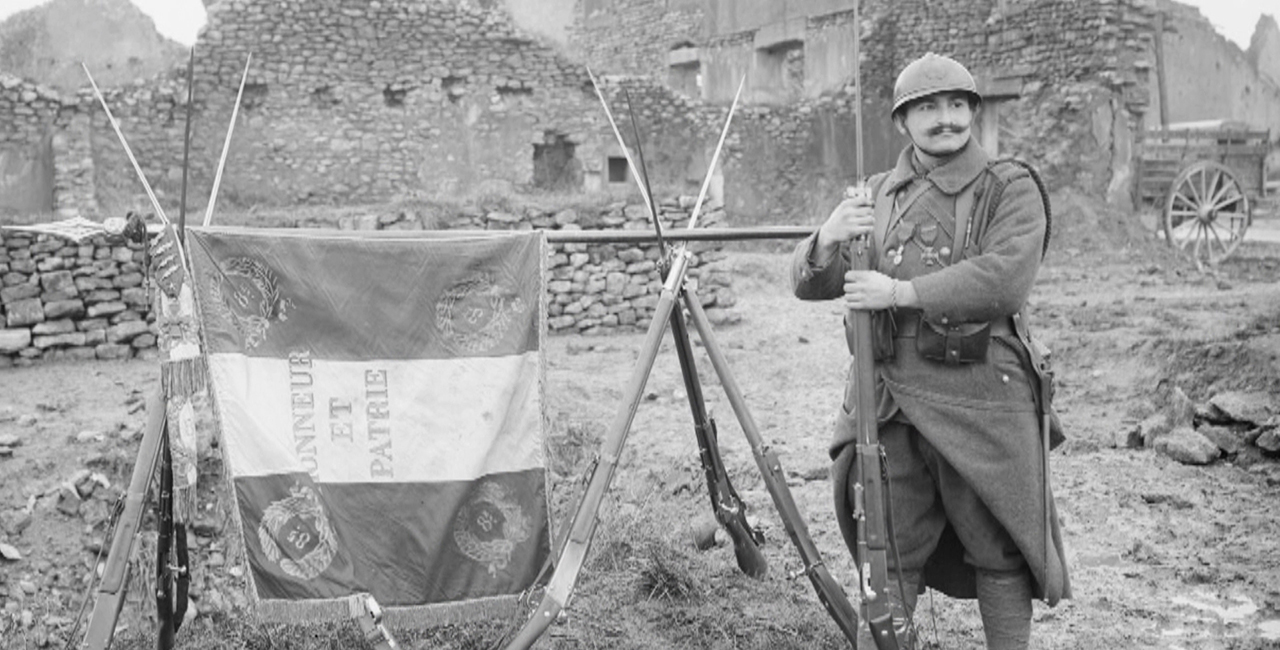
<point>946,128</point>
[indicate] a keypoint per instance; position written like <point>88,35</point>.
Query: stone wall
<point>91,173</point>
<point>634,37</point>
<point>346,102</point>
<point>350,102</point>
<point>91,300</point>
<point>1078,72</point>
<point>63,300</point>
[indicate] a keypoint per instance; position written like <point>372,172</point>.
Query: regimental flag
<point>380,401</point>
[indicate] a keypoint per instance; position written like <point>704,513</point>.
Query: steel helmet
<point>930,74</point>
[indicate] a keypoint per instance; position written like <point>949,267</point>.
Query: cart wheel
<point>1206,213</point>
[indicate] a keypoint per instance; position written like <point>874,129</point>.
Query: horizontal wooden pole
<point>564,236</point>
<point>677,234</point>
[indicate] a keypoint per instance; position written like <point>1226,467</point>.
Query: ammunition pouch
<point>946,344</point>
<point>953,345</point>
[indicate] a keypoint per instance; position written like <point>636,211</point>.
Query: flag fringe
<point>183,377</point>
<point>421,616</point>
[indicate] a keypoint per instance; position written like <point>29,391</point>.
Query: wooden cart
<point>1205,181</point>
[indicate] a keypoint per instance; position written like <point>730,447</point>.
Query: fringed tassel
<point>184,504</point>
<point>183,377</point>
<point>318,611</point>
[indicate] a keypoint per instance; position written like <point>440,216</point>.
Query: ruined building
<point>1070,85</point>
<point>352,101</point>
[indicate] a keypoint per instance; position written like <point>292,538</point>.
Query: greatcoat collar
<point>949,177</point>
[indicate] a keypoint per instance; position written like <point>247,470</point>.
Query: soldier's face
<point>938,124</point>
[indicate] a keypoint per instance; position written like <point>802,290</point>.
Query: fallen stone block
<point>1188,447</point>
<point>1229,440</point>
<point>1254,407</point>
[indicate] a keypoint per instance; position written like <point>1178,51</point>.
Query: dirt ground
<point>1162,554</point>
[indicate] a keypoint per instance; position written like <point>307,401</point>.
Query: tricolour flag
<point>380,404</point>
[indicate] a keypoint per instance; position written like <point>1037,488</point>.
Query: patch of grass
<point>664,575</point>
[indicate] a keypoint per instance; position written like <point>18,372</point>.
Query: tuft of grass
<point>663,576</point>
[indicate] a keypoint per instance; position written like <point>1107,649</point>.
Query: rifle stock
<point>729,509</point>
<point>830,593</point>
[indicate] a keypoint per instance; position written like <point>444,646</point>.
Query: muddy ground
<point>1163,554</point>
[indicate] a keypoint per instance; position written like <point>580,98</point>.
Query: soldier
<point>956,241</point>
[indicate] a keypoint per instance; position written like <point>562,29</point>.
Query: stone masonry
<point>92,300</point>
<point>1072,81</point>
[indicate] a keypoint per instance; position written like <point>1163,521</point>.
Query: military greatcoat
<point>982,415</point>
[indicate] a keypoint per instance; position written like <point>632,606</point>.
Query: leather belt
<point>906,324</point>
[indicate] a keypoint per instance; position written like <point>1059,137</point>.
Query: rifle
<point>728,507</point>
<point>864,459</point>
<point>572,554</point>
<point>865,456</point>
<point>830,593</point>
<point>573,550</point>
<point>115,576</point>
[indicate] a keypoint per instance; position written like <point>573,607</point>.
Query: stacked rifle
<point>729,509</point>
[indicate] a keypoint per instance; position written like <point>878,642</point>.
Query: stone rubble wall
<point>345,102</point>
<point>93,176</point>
<point>93,300</point>
<point>63,300</point>
<point>1082,70</point>
<point>350,102</point>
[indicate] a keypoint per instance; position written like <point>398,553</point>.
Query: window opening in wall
<point>454,87</point>
<point>555,164</point>
<point>393,95</point>
<point>255,95</point>
<point>684,69</point>
<point>617,169</point>
<point>779,76</point>
<point>323,97</point>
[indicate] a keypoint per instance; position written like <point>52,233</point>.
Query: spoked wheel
<point>1207,213</point>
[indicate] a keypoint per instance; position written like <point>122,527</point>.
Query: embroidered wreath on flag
<point>478,516</point>
<point>301,505</point>
<point>476,313</point>
<point>250,316</point>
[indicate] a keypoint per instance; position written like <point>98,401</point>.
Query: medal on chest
<point>897,241</point>
<point>927,236</point>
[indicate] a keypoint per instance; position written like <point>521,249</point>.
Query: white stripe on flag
<point>379,421</point>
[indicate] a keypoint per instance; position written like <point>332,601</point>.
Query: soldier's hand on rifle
<point>853,218</point>
<point>873,290</point>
